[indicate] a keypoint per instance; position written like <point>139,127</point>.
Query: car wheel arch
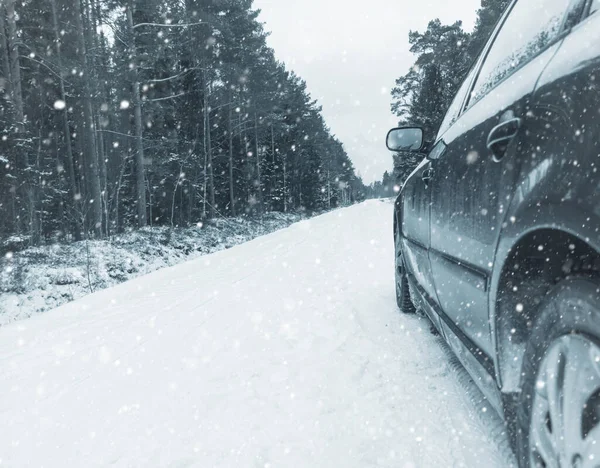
<point>533,272</point>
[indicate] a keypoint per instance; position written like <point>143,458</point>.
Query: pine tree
<point>444,55</point>
<point>184,114</point>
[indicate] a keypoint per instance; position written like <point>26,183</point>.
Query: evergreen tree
<point>117,114</point>
<point>444,54</point>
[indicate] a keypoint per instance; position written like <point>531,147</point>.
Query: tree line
<point>387,187</point>
<point>121,114</point>
<point>444,56</point>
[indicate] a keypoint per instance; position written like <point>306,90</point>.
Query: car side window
<point>438,150</point>
<point>529,28</point>
<point>457,104</point>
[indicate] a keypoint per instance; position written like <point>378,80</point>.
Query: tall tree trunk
<point>4,52</point>
<point>105,151</point>
<point>207,137</point>
<point>230,137</point>
<point>36,186</point>
<point>74,190</point>
<point>329,182</point>
<point>272,181</point>
<point>272,145</point>
<point>205,184</point>
<point>91,38</point>
<point>17,100</point>
<point>100,61</point>
<point>259,194</point>
<point>14,64</point>
<point>91,156</point>
<point>6,85</point>
<point>285,190</point>
<point>247,164</point>
<point>139,138</point>
<point>102,172</point>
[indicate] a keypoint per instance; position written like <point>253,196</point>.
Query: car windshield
<point>208,256</point>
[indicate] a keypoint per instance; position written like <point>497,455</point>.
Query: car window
<point>529,28</point>
<point>438,150</point>
<point>457,103</point>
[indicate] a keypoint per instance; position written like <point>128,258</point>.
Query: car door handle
<point>427,176</point>
<point>501,135</point>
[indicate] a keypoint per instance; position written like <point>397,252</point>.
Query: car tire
<point>403,299</point>
<point>568,325</point>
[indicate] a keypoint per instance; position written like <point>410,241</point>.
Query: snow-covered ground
<point>284,351</point>
<point>38,279</point>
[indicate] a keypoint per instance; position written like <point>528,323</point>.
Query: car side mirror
<point>406,139</point>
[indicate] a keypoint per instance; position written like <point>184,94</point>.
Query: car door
<point>476,174</point>
<point>415,202</point>
<point>414,226</point>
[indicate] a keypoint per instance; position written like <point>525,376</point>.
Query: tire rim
<point>565,420</point>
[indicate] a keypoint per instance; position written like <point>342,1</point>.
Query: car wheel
<point>558,412</point>
<point>402,289</point>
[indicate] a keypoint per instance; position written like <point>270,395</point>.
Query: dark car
<point>497,231</point>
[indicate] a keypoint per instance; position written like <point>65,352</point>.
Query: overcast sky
<point>350,54</point>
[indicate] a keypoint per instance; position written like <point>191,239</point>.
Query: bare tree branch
<point>139,25</point>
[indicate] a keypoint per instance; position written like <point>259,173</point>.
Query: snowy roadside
<point>39,279</point>
<point>288,350</point>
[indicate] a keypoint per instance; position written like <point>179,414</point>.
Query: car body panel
<point>480,367</point>
<point>470,194</point>
<point>549,192</point>
<point>414,226</point>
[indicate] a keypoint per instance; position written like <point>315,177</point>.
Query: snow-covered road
<point>285,351</point>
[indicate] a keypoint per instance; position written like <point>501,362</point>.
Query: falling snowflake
<point>472,157</point>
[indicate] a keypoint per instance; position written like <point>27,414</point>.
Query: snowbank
<point>39,279</point>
